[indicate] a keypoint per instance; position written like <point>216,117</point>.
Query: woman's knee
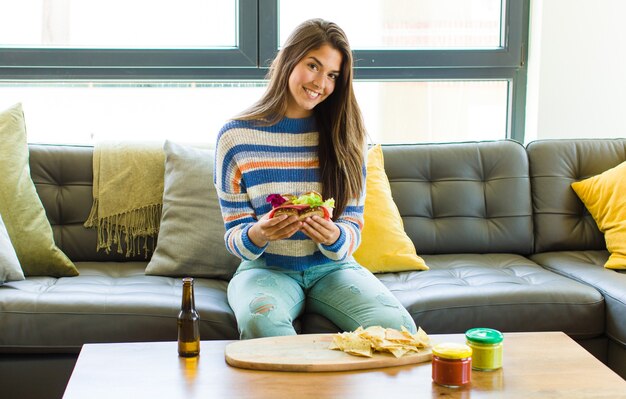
<point>392,314</point>
<point>264,318</point>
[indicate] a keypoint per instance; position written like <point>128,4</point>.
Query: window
<point>436,111</point>
<point>426,70</point>
<point>139,39</point>
<point>114,24</point>
<point>87,112</point>
<point>406,24</point>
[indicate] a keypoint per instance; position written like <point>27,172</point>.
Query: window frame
<point>140,64</point>
<point>257,45</point>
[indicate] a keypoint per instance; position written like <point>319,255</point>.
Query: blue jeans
<point>267,299</point>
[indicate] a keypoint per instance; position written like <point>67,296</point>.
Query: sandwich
<point>304,206</point>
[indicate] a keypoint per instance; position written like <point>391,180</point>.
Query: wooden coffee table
<point>536,365</point>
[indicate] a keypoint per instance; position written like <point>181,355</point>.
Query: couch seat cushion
<point>502,291</point>
<point>587,267</point>
<point>107,302</point>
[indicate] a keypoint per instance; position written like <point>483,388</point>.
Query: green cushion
<point>10,269</point>
<point>191,236</point>
<point>20,206</point>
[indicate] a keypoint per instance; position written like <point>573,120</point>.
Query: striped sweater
<point>252,162</point>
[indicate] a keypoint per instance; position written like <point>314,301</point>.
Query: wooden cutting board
<point>308,352</point>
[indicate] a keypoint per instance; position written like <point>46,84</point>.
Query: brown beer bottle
<point>188,320</point>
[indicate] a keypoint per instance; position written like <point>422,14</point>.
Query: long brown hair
<point>339,121</point>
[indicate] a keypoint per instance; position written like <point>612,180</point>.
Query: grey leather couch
<point>508,243</point>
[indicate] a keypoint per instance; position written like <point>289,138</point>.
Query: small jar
<point>452,364</point>
<point>486,344</point>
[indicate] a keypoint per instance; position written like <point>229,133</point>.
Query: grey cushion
<point>463,197</point>
<point>191,237</point>
<point>587,267</point>
<point>10,268</point>
<point>561,220</point>
<point>107,302</point>
<point>502,291</point>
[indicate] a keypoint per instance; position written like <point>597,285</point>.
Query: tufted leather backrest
<point>456,197</point>
<point>561,220</point>
<point>63,176</point>
<point>463,197</point>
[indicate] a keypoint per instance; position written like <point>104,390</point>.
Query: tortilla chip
<point>363,342</point>
<point>352,343</point>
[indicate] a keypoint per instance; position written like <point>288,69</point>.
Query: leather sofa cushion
<point>107,302</point>
<point>463,197</point>
<point>503,291</point>
<point>456,197</point>
<point>588,267</point>
<point>562,223</point>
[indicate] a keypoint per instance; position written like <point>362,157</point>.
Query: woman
<point>305,134</point>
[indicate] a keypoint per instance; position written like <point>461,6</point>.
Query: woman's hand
<point>277,228</point>
<point>320,230</point>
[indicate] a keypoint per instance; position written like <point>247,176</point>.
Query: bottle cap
<point>484,335</point>
<point>452,350</point>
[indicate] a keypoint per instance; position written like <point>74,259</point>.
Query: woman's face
<point>313,80</point>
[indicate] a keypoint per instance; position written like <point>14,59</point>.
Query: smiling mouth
<point>313,95</point>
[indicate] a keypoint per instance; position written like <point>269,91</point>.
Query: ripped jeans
<point>267,299</point>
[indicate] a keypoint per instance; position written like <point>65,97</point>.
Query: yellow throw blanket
<point>127,194</point>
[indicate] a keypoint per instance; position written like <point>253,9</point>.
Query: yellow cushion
<point>20,206</point>
<point>385,247</point>
<point>604,196</point>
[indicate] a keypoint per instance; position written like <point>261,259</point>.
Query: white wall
<point>576,69</point>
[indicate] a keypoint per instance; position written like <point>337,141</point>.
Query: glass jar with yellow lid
<point>452,364</point>
<point>487,348</point>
